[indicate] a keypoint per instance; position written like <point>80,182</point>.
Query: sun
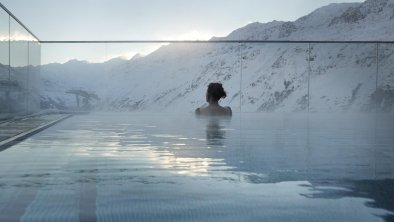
<point>192,35</point>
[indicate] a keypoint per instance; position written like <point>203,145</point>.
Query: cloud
<point>190,35</point>
<point>17,36</point>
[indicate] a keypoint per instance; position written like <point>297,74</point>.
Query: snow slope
<point>257,77</point>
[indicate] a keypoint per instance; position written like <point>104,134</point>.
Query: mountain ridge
<point>273,75</point>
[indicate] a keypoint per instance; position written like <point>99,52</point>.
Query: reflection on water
<point>137,167</point>
<point>215,131</point>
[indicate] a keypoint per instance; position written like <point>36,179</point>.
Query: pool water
<point>163,167</point>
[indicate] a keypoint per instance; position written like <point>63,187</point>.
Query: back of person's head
<point>215,91</point>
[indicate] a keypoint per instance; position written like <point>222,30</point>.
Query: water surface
<point>160,167</point>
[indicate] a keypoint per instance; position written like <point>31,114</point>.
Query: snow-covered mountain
<point>256,76</point>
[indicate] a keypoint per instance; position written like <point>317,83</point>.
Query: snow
<point>273,77</point>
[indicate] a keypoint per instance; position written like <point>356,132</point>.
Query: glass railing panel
<point>19,62</point>
<point>34,71</point>
<point>4,45</point>
<point>274,77</point>
<point>343,77</point>
<point>142,76</point>
<point>383,97</point>
<point>200,64</point>
<point>137,75</point>
<point>69,71</point>
<point>4,64</point>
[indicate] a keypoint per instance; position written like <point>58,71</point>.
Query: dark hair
<point>216,91</point>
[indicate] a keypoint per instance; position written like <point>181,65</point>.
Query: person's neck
<point>213,103</point>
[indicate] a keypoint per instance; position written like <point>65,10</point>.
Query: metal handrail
<point>213,41</point>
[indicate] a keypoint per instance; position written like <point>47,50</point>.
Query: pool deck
<point>15,130</point>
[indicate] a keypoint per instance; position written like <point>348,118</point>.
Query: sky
<point>144,20</point>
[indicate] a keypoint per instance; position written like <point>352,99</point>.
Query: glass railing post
<point>309,71</point>
<point>8,101</point>
<point>27,91</point>
<point>377,75</point>
<point>240,79</point>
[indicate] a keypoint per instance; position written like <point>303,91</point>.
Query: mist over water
<point>184,167</point>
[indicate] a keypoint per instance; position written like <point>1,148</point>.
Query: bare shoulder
<point>215,111</point>
<point>200,111</point>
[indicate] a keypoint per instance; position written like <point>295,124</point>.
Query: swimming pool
<point>162,167</point>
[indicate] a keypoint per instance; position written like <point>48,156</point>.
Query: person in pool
<point>215,92</point>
